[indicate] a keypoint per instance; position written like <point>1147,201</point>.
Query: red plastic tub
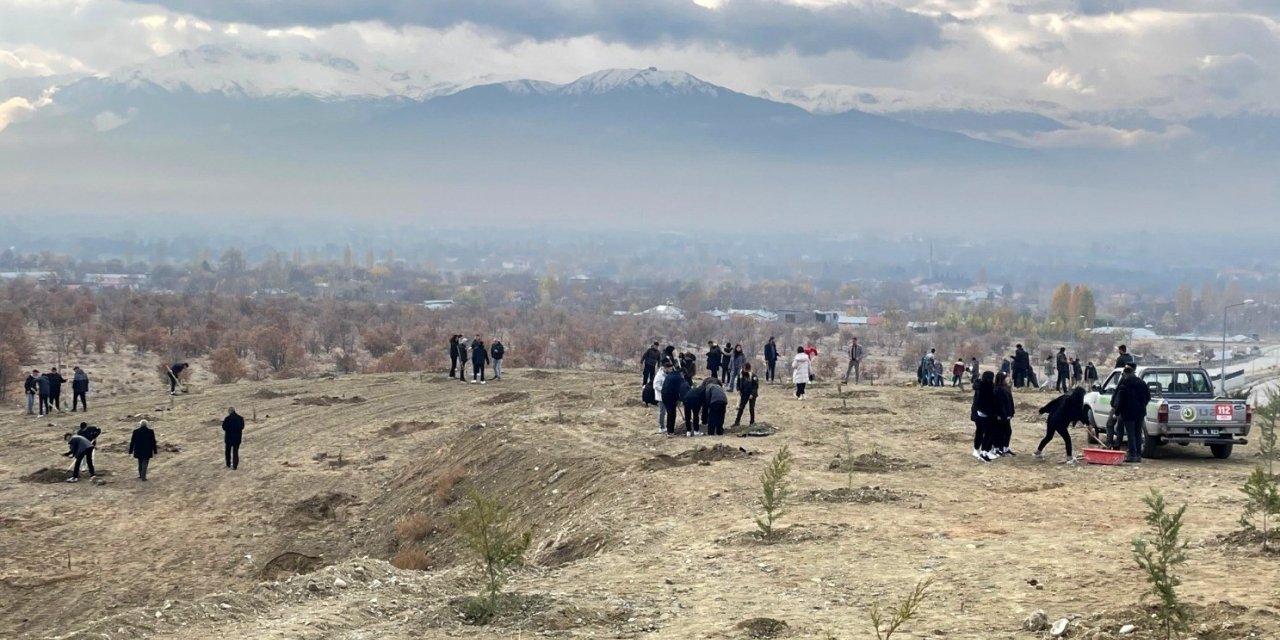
<point>1103,456</point>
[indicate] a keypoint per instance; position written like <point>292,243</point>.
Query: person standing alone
<point>770,359</point>
<point>800,371</point>
<point>748,390</point>
<point>232,434</point>
<point>1063,383</point>
<point>855,362</point>
<point>79,388</point>
<point>649,363</point>
<point>142,445</point>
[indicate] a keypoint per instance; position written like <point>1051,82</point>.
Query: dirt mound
<point>330,505</point>
<point>701,455</point>
<point>47,476</point>
<point>874,462</point>
<point>1246,541</point>
<point>861,495</point>
<point>757,430</point>
<point>398,429</point>
<point>860,411</point>
<point>268,394</point>
<point>326,401</point>
<point>123,447</point>
<point>1221,620</point>
<point>290,564</point>
<point>507,397</point>
<point>764,628</point>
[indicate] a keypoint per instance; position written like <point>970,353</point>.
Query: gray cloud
<point>764,27</point>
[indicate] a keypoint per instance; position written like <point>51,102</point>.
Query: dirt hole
<point>860,411</point>
<point>290,564</point>
<point>701,455</point>
<point>268,394</point>
<point>507,397</point>
<point>46,475</point>
<point>757,430</point>
<point>398,429</point>
<point>573,550</point>
<point>326,401</point>
<point>324,506</point>
<point>764,628</point>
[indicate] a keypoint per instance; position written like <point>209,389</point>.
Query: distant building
<point>38,276</point>
<point>664,312</point>
<point>792,316</point>
<point>859,321</point>
<point>754,314</point>
<point>826,317</point>
<point>436,305</point>
<point>133,281</point>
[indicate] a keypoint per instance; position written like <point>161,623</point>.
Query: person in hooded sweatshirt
<point>1004,421</point>
<point>79,388</point>
<point>1063,411</point>
<point>479,360</point>
<point>688,366</point>
<point>770,359</point>
<point>735,366</point>
<point>81,448</point>
<point>455,352</point>
<point>717,406</point>
<point>694,400</point>
<point>32,388</point>
<point>142,445</point>
<point>748,390</point>
<point>673,389</point>
<point>659,379</point>
<point>497,351</point>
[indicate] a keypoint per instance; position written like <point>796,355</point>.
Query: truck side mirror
<point>1097,387</point>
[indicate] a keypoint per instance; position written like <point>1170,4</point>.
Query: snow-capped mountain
<point>651,79</point>
<point>258,73</point>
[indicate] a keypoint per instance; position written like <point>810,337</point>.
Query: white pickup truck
<point>1183,410</point>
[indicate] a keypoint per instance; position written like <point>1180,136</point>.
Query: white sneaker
<point>977,454</point>
<point>73,479</point>
<point>983,457</point>
<point>472,382</point>
<point>482,382</point>
<point>1070,460</point>
<point>1039,455</point>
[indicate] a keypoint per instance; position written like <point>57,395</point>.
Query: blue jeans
<point>31,403</point>
<point>1133,429</point>
<point>497,368</point>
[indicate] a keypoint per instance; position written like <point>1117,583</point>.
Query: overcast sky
<point>1177,57</point>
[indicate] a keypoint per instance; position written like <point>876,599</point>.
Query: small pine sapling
<point>1261,489</point>
<point>887,621</point>
<point>1159,557</point>
<point>498,547</point>
<point>774,491</point>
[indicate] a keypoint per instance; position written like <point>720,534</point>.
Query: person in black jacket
<point>1077,371</point>
<point>688,366</point>
<point>985,413</point>
<point>748,390</point>
<point>55,389</point>
<point>79,387</point>
<point>175,373</point>
<point>1090,375</point>
<point>717,405</point>
<point>232,434</point>
<point>479,360</point>
<point>142,445</point>
<point>42,388</point>
<point>1130,402</point>
<point>673,389</point>
<point>1021,364</point>
<point>455,353</point>
<point>32,388</point>
<point>694,399</point>
<point>81,448</point>
<point>714,356</point>
<point>497,351</point>
<point>1125,359</point>
<point>1063,363</point>
<point>1004,419</point>
<point>649,363</point>
<point>770,359</point>
<point>1063,412</point>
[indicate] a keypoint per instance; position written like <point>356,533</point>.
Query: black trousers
<point>984,431</point>
<point>769,367</point>
<point>143,463</point>
<point>713,371</point>
<point>87,459</point>
<point>1060,429</point>
<point>55,401</point>
<point>477,370</point>
<point>743,403</point>
<point>800,389</point>
<point>1064,381</point>
<point>232,452</point>
<point>692,418</point>
<point>44,403</point>
<point>715,419</point>
<point>671,417</point>
<point>649,371</point>
<point>453,365</point>
<point>78,396</point>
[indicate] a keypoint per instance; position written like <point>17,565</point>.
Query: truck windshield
<point>1177,382</point>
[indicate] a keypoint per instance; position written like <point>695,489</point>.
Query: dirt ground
<point>634,535</point>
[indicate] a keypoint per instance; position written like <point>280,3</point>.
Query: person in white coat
<point>800,371</point>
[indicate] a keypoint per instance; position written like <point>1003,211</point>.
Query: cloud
<point>15,109</point>
<point>762,27</point>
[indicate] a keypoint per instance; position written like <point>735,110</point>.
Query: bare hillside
<point>634,534</point>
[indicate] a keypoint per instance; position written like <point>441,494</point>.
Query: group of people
<point>460,351</point>
<point>705,405</point>
<point>143,445</point>
<point>46,389</point>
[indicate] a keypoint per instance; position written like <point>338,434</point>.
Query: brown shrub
<point>414,528</point>
<point>411,559</point>
<point>226,366</point>
<point>445,484</point>
<point>401,361</point>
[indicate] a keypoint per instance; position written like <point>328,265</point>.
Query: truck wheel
<point>1221,451</point>
<point>1150,447</point>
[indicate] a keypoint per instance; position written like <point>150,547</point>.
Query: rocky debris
<point>1127,629</point>
<point>1038,621</point>
<point>764,627</point>
<point>1059,628</point>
